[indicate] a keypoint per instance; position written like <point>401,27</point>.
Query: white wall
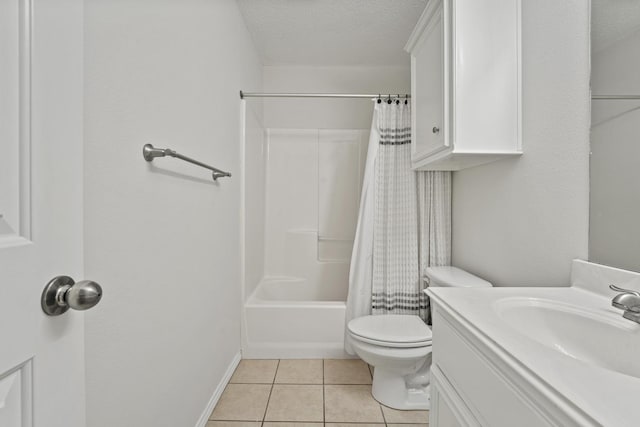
<point>162,239</point>
<point>614,236</point>
<point>521,221</point>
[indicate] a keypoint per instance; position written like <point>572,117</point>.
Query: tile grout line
<point>383,423</point>
<point>306,422</point>
<point>310,422</point>
<point>302,383</point>
<point>275,374</point>
<point>324,407</point>
<point>383,417</point>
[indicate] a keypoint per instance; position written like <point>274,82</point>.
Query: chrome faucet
<point>627,301</point>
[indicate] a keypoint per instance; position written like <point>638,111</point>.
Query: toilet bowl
<point>398,346</point>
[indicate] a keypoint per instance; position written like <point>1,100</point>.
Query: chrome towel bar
<point>149,152</point>
<point>611,97</point>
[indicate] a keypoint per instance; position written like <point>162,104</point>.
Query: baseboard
<point>295,351</point>
<point>204,418</point>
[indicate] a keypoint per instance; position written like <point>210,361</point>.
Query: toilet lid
<point>393,329</point>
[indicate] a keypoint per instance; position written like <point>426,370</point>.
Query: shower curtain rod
<point>321,95</point>
<point>375,95</point>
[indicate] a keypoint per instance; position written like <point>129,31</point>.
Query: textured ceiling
<point>331,32</point>
<point>613,20</point>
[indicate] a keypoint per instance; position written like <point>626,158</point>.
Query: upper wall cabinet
<point>465,84</point>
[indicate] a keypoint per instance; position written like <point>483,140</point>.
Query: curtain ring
<point>389,99</point>
<point>379,100</point>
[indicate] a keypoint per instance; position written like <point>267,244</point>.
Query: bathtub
<point>288,318</point>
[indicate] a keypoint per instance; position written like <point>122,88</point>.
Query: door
<point>41,357</point>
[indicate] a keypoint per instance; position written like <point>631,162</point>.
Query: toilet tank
<point>449,276</point>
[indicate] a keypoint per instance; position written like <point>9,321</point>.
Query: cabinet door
<point>446,417</point>
<point>428,82</point>
<point>447,407</point>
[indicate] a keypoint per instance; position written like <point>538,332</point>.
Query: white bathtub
<point>287,318</point>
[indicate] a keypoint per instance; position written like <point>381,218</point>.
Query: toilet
<point>398,346</point>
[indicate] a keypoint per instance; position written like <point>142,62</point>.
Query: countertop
<point>604,396</point>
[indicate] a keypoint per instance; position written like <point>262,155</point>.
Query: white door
<point>41,357</point>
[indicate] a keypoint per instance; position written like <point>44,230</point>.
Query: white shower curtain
<point>434,226</point>
<point>404,223</point>
<point>396,275</point>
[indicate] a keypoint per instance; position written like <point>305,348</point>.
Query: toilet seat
<point>391,344</point>
<point>391,330</point>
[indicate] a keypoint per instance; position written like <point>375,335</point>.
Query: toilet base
<point>409,392</point>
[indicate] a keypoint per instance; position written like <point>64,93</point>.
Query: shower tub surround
<point>311,190</point>
<point>287,316</point>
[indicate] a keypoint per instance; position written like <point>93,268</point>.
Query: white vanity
<point>465,84</point>
<point>536,356</point>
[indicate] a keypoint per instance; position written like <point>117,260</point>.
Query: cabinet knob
<point>435,129</point>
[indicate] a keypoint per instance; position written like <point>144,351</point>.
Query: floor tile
<point>233,424</point>
<point>255,372</point>
<point>351,404</point>
<point>290,424</point>
<point>407,425</point>
<point>346,371</point>
<point>300,372</point>
<point>405,417</point>
<point>353,425</point>
<point>242,402</point>
<point>295,403</point>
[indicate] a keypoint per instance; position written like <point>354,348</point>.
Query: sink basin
<point>599,338</point>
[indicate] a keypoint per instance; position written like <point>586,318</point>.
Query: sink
<point>599,338</point>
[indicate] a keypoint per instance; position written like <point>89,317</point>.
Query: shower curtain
<point>404,223</point>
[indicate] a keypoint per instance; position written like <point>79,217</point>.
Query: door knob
<point>63,293</point>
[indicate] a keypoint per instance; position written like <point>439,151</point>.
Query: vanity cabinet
<point>465,84</point>
<point>472,385</point>
<point>469,389</point>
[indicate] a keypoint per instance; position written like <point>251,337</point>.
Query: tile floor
<point>306,393</point>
